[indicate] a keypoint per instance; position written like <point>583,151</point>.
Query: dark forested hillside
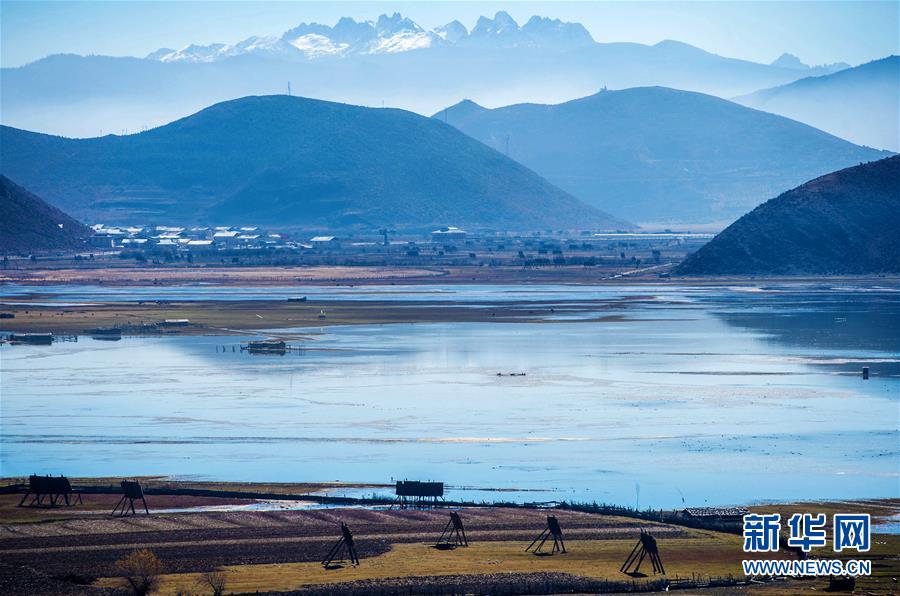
<point>28,224</point>
<point>845,222</point>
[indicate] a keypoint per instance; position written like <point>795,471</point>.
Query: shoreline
<point>279,550</point>
<point>327,493</point>
<point>61,313</point>
<point>241,317</point>
<point>264,276</point>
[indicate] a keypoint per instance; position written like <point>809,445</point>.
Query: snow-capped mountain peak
<point>544,31</point>
<point>389,34</point>
<point>159,54</point>
<point>501,25</point>
<point>452,32</point>
<point>314,45</point>
<point>387,26</point>
<point>193,53</point>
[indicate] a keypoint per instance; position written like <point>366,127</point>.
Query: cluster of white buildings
<point>190,239</point>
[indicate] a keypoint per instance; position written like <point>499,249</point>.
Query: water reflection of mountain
<point>853,327</point>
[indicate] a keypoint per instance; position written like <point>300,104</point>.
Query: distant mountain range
<point>860,104</point>
<point>391,62</point>
<point>28,224</point>
<point>845,222</point>
<point>388,35</point>
<point>660,155</point>
<point>294,162</point>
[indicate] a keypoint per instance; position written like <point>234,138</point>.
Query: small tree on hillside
<point>141,570</point>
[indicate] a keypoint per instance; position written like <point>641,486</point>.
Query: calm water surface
<point>700,395</point>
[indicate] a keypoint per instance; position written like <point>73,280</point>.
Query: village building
<point>724,515</point>
<point>448,233</point>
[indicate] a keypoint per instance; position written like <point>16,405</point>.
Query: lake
<point>700,395</point>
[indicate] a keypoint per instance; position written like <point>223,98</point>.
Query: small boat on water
<point>297,299</point>
<point>31,338</point>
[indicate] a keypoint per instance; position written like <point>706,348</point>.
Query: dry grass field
<point>75,549</point>
<point>716,555</point>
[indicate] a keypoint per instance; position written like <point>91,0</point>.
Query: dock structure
<point>174,323</point>
<point>413,493</point>
<point>454,534</point>
<point>344,544</point>
<point>274,346</point>
<point>31,338</point>
<point>646,546</point>
<point>131,491</point>
<point>553,530</point>
<point>105,333</point>
<point>38,339</point>
<point>56,489</point>
<point>266,346</point>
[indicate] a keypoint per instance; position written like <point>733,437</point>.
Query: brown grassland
<point>280,549</point>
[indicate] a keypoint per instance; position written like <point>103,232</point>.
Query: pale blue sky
<point>817,32</point>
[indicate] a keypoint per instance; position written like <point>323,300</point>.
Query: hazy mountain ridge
<point>660,155</point>
<point>843,223</point>
<point>860,104</point>
<point>294,162</point>
<point>787,60</point>
<point>28,224</point>
<point>391,62</point>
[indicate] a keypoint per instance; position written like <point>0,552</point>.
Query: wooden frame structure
<point>344,543</point>
<point>57,489</point>
<point>553,530</point>
<point>454,533</point>
<point>131,491</point>
<point>413,493</point>
<point>645,546</point>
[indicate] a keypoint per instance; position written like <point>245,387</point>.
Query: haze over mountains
<point>29,224</point>
<point>391,62</point>
<point>660,155</point>
<point>860,104</point>
<point>293,162</point>
<point>845,222</point>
